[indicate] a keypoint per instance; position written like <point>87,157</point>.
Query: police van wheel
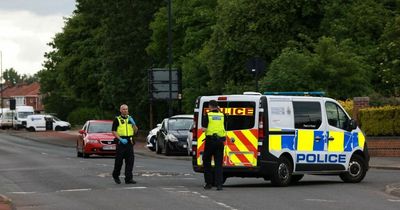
<point>282,174</point>
<point>356,170</point>
<point>296,178</point>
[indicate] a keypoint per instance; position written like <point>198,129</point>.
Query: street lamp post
<point>170,58</point>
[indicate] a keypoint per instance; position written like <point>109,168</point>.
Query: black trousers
<point>214,147</point>
<point>124,152</point>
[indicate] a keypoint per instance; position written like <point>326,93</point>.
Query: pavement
<point>68,138</point>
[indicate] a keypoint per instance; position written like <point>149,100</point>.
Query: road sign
<point>159,84</point>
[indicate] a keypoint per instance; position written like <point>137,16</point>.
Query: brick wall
<point>384,146</point>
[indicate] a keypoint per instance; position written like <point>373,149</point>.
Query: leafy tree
<point>11,76</point>
<point>389,66</point>
<point>332,68</point>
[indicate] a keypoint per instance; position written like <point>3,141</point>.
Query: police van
<point>282,136</point>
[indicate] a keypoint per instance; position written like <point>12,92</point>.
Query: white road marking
<point>320,200</point>
<point>23,193</point>
<point>392,200</point>
<point>103,175</point>
<point>43,153</point>
<point>101,165</point>
<point>203,196</point>
<point>74,190</point>
<point>224,205</point>
<point>133,188</point>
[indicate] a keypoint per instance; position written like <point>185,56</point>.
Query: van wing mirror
<point>82,131</point>
<point>352,124</point>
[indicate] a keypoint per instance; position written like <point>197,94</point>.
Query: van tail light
<point>194,134</point>
<point>194,129</point>
<point>261,123</point>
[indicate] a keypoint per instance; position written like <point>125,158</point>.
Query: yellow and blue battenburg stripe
<point>314,140</point>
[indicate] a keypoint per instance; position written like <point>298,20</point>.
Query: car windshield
<point>180,123</point>
<point>55,118</point>
<point>24,114</point>
<point>100,127</point>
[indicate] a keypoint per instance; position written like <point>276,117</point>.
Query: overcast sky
<point>26,26</point>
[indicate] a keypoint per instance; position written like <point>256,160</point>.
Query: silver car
<point>151,138</point>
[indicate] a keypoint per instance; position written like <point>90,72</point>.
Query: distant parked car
<point>171,138</point>
<point>96,138</point>
<point>151,138</point>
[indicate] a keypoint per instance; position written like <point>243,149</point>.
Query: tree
<point>333,67</point>
<point>389,67</point>
<point>11,76</point>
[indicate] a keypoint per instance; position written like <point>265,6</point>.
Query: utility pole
<point>170,58</point>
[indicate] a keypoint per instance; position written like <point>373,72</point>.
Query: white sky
<point>26,26</point>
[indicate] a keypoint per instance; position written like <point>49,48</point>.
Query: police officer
<point>214,124</point>
<point>123,129</point>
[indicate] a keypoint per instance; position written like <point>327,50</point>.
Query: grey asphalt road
<point>38,175</point>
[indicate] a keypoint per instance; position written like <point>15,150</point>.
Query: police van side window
<point>336,116</point>
<point>307,115</point>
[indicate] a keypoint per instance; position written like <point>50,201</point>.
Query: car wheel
<point>31,129</point>
<point>153,143</point>
<point>296,178</point>
<point>168,151</point>
<point>78,154</point>
<point>158,149</point>
<point>58,128</point>
<point>282,173</point>
<point>356,170</point>
<point>84,153</point>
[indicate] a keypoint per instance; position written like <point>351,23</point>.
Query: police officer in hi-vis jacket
<point>214,127</point>
<point>123,129</point>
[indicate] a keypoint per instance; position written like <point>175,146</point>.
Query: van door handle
<point>318,138</point>
<point>233,140</point>
<point>331,138</point>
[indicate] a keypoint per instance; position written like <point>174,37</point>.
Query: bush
<point>380,121</point>
<point>348,106</point>
<point>80,115</point>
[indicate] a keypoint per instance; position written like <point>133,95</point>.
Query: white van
<point>6,118</point>
<point>43,122</point>
<point>21,112</point>
<point>282,137</point>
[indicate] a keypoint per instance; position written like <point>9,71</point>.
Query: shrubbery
<point>348,106</point>
<point>80,115</point>
<point>380,121</point>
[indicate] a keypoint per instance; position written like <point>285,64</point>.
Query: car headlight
<point>92,141</point>
<point>171,138</point>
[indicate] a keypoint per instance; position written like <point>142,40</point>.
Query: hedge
<point>380,121</point>
<point>80,115</point>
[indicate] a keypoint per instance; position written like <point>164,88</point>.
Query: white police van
<point>282,136</point>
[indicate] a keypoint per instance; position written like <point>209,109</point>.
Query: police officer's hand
<point>130,119</point>
<point>123,141</point>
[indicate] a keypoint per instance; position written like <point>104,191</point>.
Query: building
<point>24,94</point>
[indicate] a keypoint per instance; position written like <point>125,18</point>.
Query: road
<point>37,175</point>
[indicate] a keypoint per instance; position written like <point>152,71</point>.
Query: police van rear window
<point>307,115</point>
<point>238,115</point>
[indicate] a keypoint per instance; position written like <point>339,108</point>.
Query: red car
<point>95,138</point>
